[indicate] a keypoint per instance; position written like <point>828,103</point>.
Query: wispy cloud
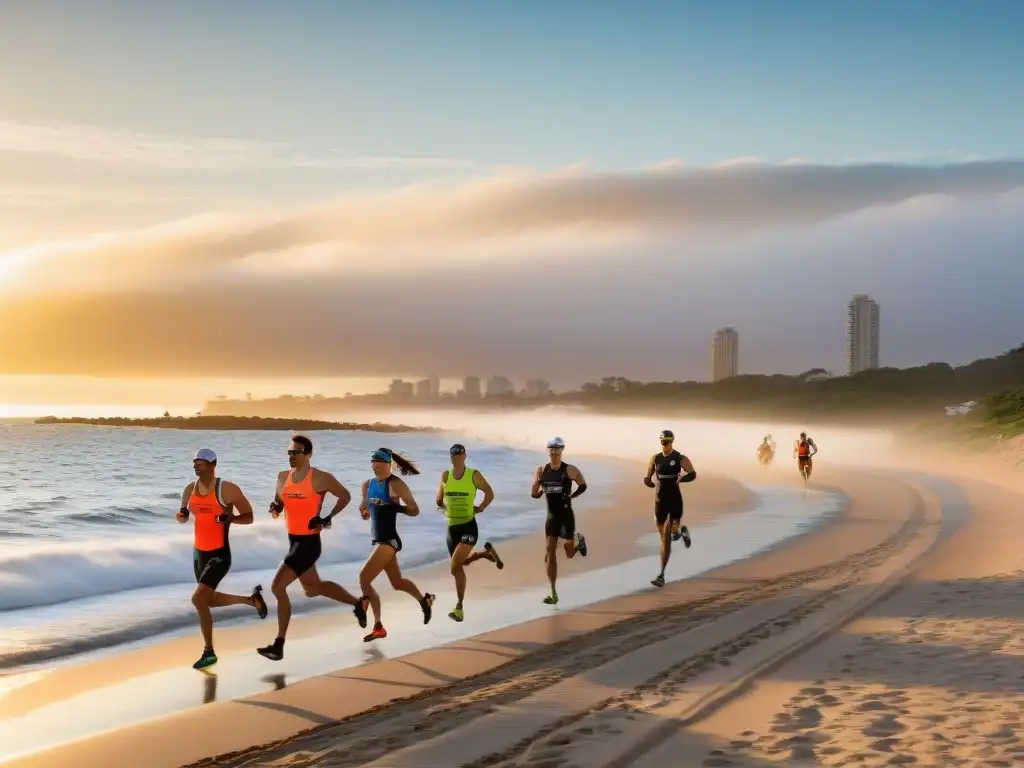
<point>104,145</point>
<point>428,221</point>
<point>28,196</point>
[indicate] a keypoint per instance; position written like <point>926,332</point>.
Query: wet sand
<point>457,682</point>
<point>156,680</point>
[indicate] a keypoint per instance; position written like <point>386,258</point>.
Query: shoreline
<point>386,680</point>
<point>233,423</point>
<point>69,680</point>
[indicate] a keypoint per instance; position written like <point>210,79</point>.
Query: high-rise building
<point>499,386</point>
<point>471,387</point>
<point>861,334</point>
<point>725,354</point>
<point>428,388</point>
<point>537,388</point>
<point>400,388</point>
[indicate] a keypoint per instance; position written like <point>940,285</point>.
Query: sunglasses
<point>666,442</point>
<point>294,452</point>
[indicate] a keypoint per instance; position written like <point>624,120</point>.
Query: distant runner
<point>300,495</point>
<point>766,451</point>
<point>457,497</point>
<point>384,498</point>
<point>803,451</point>
<point>554,482</point>
<point>212,501</point>
<point>668,464</point>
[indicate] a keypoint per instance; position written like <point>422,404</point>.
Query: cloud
<point>156,151</point>
<point>564,276</point>
<point>426,224</point>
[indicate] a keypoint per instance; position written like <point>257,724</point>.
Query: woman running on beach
<point>384,498</point>
<point>456,496</point>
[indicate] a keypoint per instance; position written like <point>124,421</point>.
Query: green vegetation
<point>235,423</point>
<point>885,396</point>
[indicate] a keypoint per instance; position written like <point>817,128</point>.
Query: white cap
<point>556,442</point>
<point>205,454</point>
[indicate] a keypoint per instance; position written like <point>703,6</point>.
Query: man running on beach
<point>668,501</point>
<point>212,502</point>
<point>554,482</point>
<point>803,451</point>
<point>300,494</point>
<point>456,495</point>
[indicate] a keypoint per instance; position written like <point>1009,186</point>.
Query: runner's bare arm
<point>277,505</point>
<point>233,495</point>
<point>581,484</point>
<point>440,489</point>
<point>481,482</point>
<point>331,485</point>
<point>401,492</point>
<point>182,515</point>
<point>364,509</point>
<point>687,465</point>
<point>650,473</point>
<point>535,491</point>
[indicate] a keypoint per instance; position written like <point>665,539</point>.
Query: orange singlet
<point>301,503</point>
<point>209,534</point>
<point>803,450</point>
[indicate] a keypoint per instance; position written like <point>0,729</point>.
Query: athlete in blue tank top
<point>384,497</point>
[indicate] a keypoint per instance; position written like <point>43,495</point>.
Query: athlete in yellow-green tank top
<point>456,496</point>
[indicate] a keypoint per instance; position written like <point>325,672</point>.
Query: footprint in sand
<point>886,725</point>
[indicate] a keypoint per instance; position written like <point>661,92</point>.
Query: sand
<point>888,636</point>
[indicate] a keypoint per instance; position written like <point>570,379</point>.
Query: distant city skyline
<point>542,189</point>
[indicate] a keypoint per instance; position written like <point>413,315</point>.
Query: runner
<point>766,451</point>
<point>384,498</point>
<point>804,451</point>
<point>457,497</point>
<point>668,500</point>
<point>300,495</point>
<point>212,501</point>
<point>554,482</point>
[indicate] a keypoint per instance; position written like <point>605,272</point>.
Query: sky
<point>568,190</point>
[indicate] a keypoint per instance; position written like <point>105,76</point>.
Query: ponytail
<point>405,467</point>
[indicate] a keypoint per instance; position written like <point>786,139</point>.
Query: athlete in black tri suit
<point>669,465</point>
<point>554,482</point>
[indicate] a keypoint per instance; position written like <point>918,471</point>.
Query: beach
<point>818,647</point>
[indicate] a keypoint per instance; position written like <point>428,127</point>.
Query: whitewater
<point>91,557</point>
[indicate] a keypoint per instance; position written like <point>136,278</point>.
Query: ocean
<point>91,557</point>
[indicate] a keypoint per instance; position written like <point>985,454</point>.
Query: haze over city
<point>264,201</point>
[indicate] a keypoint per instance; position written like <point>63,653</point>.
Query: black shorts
<point>560,525</point>
<point>303,552</point>
<point>668,506</point>
<point>210,568</point>
<point>395,543</point>
<point>462,533</point>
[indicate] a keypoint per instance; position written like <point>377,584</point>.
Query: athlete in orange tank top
<point>211,502</point>
<point>300,495</point>
<point>302,503</point>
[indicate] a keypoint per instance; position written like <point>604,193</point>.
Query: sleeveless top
<point>460,497</point>
<point>301,503</point>
<point>204,508</point>
<point>557,486</point>
<point>384,510</point>
<point>667,469</point>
